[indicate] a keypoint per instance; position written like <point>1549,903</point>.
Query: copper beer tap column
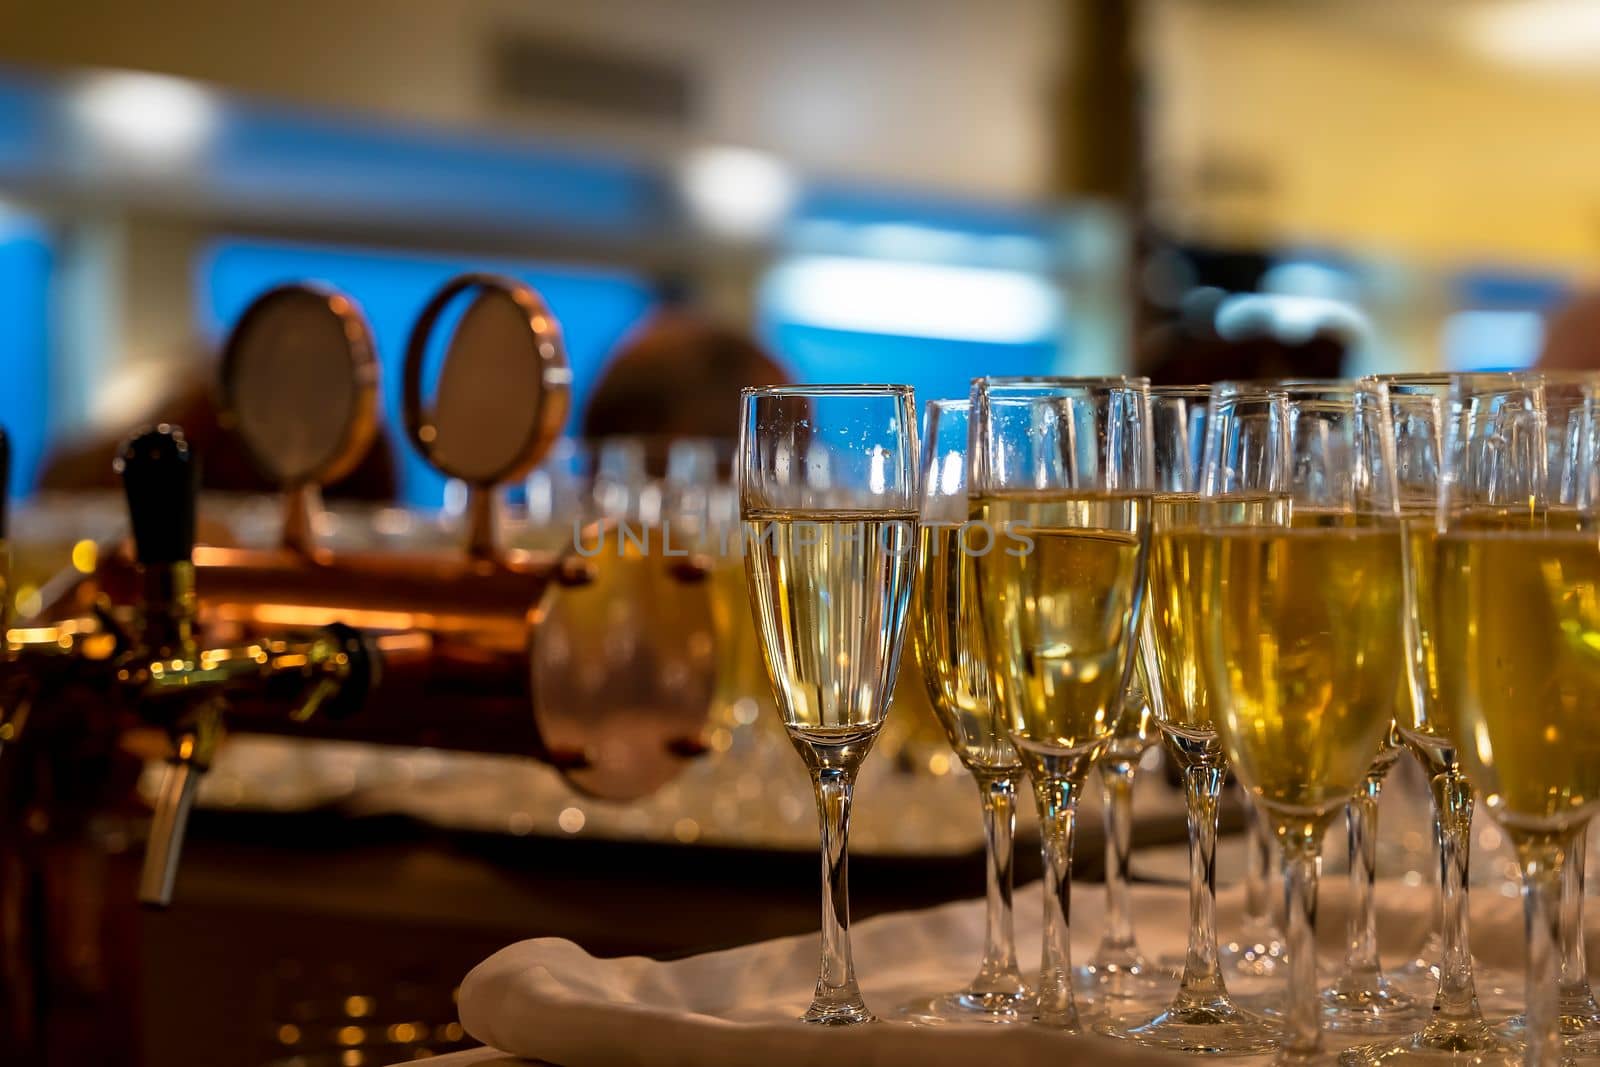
<point>456,629</point>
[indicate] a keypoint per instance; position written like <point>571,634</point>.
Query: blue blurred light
<point>25,265</point>
<point>1500,339</point>
<point>266,154</point>
<point>855,205</point>
<point>930,291</point>
<point>937,368</point>
<point>24,123</point>
<point>1497,289</point>
<point>595,308</point>
<point>926,300</point>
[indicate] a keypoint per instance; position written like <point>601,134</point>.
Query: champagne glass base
<point>1209,1028</point>
<point>1423,966</point>
<point>846,1014</point>
<point>1438,1045</point>
<point>1573,1025</point>
<point>968,1007</point>
<point>1254,959</point>
<point>1141,980</point>
<point>1375,1008</point>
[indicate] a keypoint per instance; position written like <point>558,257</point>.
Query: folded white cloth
<point>547,999</point>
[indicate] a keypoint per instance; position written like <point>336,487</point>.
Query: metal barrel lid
<point>503,386</point>
<point>299,383</point>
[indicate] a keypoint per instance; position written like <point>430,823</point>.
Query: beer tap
<point>485,391</point>
<point>173,682</point>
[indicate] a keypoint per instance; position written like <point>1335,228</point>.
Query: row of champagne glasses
<point>1286,609</point>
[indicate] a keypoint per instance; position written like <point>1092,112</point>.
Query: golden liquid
<point>830,592</point>
<point>743,692</point>
<point>1423,718</point>
<point>947,635</point>
<point>1428,722</point>
<point>1136,727</point>
<point>1174,619</point>
<point>1302,657</point>
<point>1060,591</point>
<point>1175,612</point>
<point>1518,657</point>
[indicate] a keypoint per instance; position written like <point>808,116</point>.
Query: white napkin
<point>547,998</point>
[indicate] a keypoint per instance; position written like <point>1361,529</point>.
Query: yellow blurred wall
<point>1343,124</point>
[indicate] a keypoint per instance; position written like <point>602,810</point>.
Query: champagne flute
<point>1455,1031</point>
<point>1565,396</point>
<point>1118,970</point>
<point>1362,999</point>
<point>948,641</point>
<point>1564,403</point>
<point>1060,474</point>
<point>1202,1017</point>
<point>1258,952</point>
<point>1302,647</point>
<point>828,497</point>
<point>1516,605</point>
<point>1580,1015</point>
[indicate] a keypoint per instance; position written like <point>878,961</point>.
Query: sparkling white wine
<point>1136,727</point>
<point>1060,590</point>
<point>1423,719</point>
<point>1302,658</point>
<point>1174,621</point>
<point>1431,727</point>
<point>1518,654</point>
<point>947,635</point>
<point>742,686</point>
<point>1177,600</point>
<point>830,592</point>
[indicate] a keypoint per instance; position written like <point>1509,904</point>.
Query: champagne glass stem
<point>1257,896</point>
<point>837,996</point>
<point>1361,823</point>
<point>1058,802</point>
<point>1542,860</point>
<point>999,973</point>
<point>1117,946</point>
<point>1457,999</point>
<point>1202,977</point>
<point>1577,999</point>
<point>1302,867</point>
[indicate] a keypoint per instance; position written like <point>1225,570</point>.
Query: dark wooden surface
<point>279,919</point>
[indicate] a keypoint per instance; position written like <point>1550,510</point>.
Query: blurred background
<point>897,190</point>
<point>907,190</point>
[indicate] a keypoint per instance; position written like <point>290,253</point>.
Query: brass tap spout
<point>173,682</point>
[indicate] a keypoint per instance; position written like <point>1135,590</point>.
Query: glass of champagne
<point>828,497</point>
<point>1118,971</point>
<point>1516,611</point>
<point>1455,1030</point>
<point>1580,1015</point>
<point>1301,647</point>
<point>1258,951</point>
<point>1202,1018</point>
<point>1059,477</point>
<point>948,641</point>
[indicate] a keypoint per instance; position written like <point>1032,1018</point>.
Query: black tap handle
<point>161,477</point>
<point>361,677</point>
